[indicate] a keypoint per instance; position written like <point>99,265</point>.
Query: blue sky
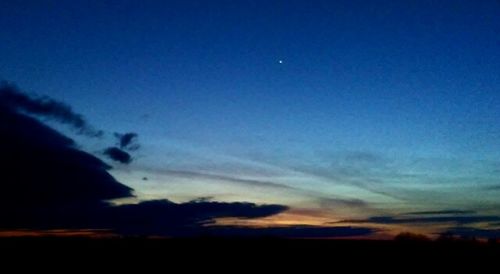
<point>378,107</point>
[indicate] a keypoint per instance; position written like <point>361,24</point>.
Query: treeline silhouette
<point>443,238</point>
<point>405,247</point>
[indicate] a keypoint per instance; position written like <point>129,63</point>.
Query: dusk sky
<point>375,114</point>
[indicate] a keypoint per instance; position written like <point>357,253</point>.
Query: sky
<point>374,113</point>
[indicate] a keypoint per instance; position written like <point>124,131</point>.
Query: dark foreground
<point>246,252</point>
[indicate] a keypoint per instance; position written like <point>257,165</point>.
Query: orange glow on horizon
<point>86,233</point>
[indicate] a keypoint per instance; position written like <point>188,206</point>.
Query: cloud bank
<point>48,183</point>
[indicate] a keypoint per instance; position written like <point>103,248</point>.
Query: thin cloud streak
<point>247,182</point>
<point>321,199</point>
<point>441,212</point>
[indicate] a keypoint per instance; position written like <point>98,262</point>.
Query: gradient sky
<point>377,108</point>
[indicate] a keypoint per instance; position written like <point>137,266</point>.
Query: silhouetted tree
<point>447,237</point>
<point>411,237</point>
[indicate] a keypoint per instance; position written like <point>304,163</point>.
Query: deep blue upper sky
<point>372,98</point>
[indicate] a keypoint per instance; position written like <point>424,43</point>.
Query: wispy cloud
<point>335,203</point>
<point>247,182</point>
<point>11,97</point>
<point>426,220</point>
<point>441,212</point>
<point>314,197</point>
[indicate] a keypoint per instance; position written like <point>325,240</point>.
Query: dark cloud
<point>41,166</point>
<point>427,220</point>
<point>47,183</point>
<point>469,232</point>
<point>441,212</point>
<point>16,101</point>
<point>162,217</point>
<point>128,141</point>
<point>42,171</point>
<point>118,155</point>
<point>187,219</point>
